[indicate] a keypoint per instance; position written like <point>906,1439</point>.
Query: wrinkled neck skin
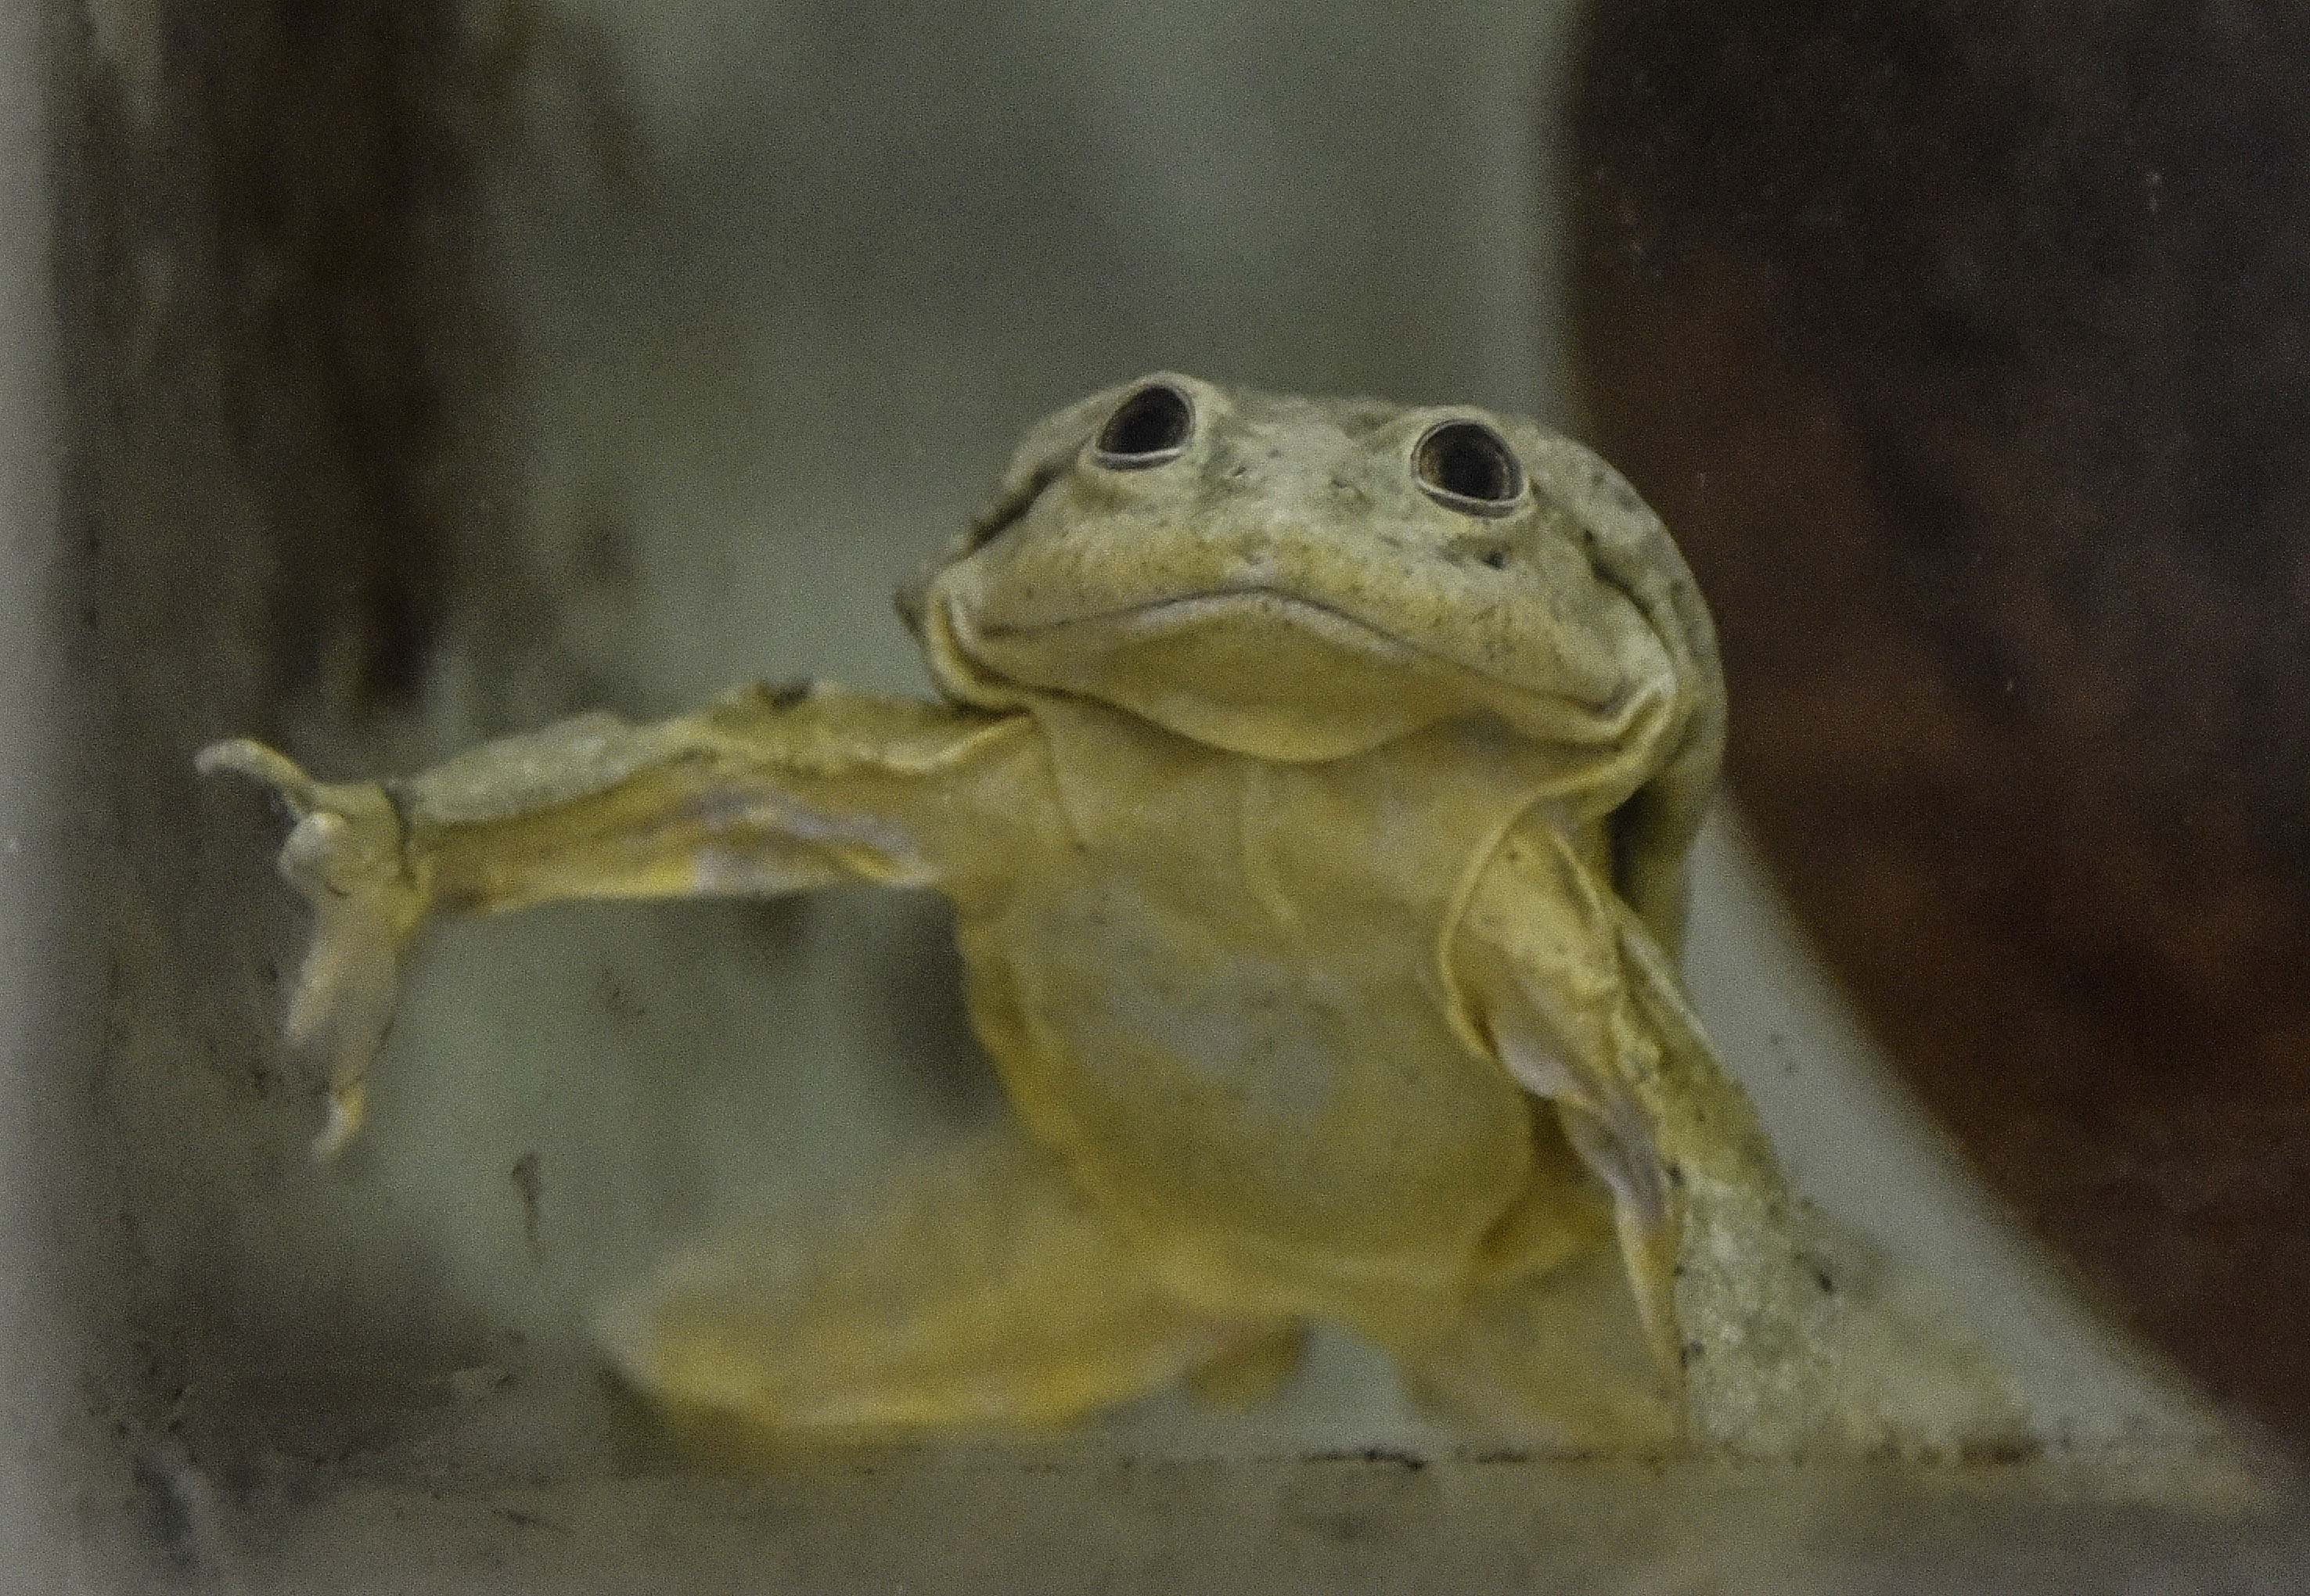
<point>1311,699</point>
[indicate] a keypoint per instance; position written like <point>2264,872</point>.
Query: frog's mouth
<point>1257,671</point>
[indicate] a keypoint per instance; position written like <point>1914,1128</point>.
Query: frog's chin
<point>1255,672</point>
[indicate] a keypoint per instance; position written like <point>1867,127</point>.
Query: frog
<point>1314,785</point>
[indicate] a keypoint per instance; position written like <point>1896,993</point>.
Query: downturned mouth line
<point>1328,619</point>
<point>1189,606</point>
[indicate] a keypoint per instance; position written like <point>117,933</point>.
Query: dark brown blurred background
<point>1964,348</point>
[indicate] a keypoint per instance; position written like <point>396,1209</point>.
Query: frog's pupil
<point>1150,427</point>
<point>1465,465</point>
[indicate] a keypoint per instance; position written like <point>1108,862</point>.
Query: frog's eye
<point>1150,427</point>
<point>1466,466</point>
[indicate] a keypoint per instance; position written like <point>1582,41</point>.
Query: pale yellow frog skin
<point>1313,784</point>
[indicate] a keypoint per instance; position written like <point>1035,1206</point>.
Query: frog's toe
<point>268,768</point>
<point>348,1108</point>
<point>343,1007</point>
<point>1648,1248</point>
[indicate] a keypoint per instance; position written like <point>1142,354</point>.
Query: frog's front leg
<point>1559,980</point>
<point>1785,1331</point>
<point>763,792</point>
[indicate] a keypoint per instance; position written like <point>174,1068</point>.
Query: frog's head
<point>1301,579</point>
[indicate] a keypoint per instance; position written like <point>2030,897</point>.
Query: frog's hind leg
<point>1559,1358</point>
<point>979,1291</point>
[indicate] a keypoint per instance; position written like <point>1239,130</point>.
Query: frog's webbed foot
<point>344,855</point>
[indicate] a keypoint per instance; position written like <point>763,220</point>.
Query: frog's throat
<point>1272,674</point>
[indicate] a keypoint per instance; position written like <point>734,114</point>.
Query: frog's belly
<point>1283,1116</point>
